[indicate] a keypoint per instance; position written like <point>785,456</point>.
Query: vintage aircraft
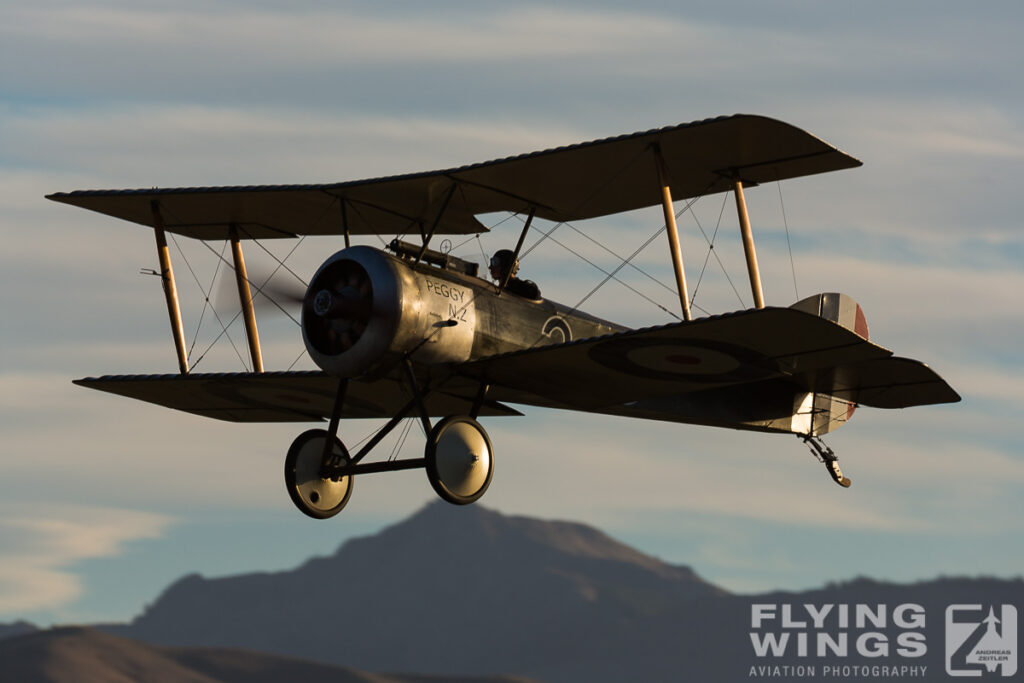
<point>411,331</point>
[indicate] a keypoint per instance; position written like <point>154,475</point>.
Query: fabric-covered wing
<point>567,183</point>
<point>770,347</point>
<point>278,396</point>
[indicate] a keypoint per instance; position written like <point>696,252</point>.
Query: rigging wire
<point>792,264</point>
<point>616,255</point>
<point>485,263</point>
<point>297,359</point>
<point>259,288</point>
<point>206,300</point>
<point>281,262</point>
<point>612,276</point>
<point>597,191</point>
<point>711,251</point>
<point>622,265</point>
<point>224,328</point>
<point>400,442</point>
<point>469,239</point>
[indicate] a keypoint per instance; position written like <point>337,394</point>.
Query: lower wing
<point>279,396</point>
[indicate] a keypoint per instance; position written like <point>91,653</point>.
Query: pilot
<point>504,263</point>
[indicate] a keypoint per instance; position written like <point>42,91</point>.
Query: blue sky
<point>104,501</point>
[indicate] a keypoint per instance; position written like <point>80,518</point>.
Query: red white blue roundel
<point>693,360</point>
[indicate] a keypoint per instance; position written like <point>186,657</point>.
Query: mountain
<point>86,655</point>
<point>16,629</point>
<point>452,590</point>
<point>467,591</point>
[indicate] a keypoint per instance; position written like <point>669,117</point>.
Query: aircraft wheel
<point>460,459</point>
<point>312,494</point>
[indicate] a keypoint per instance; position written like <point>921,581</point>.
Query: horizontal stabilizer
<point>888,383</point>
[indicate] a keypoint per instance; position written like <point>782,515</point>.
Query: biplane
<point>409,331</point>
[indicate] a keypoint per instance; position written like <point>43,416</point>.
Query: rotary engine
<point>364,309</point>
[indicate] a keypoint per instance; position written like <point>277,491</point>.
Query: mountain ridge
<point>86,655</point>
<point>468,591</point>
<point>449,571</point>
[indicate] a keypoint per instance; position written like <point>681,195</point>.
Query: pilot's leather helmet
<point>504,261</point>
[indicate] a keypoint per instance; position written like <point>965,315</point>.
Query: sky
<point>104,501</point>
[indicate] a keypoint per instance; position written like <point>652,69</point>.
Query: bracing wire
<point>613,277</point>
<point>206,300</point>
<point>224,328</point>
<point>400,442</point>
<point>281,262</point>
<point>259,288</point>
<point>617,256</point>
<point>712,252</point>
<point>625,262</point>
<point>296,361</point>
<point>792,264</point>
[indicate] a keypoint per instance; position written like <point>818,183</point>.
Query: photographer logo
<point>981,640</point>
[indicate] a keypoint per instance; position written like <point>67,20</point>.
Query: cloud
<point>184,144</point>
<point>302,37</point>
<point>925,236</point>
<point>40,550</point>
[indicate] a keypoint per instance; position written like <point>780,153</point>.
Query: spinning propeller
<point>336,306</point>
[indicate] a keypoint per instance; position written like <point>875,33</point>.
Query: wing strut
<point>673,233</point>
<point>427,237</point>
<point>170,289</point>
<point>252,333</point>
<point>748,245</point>
<point>344,221</point>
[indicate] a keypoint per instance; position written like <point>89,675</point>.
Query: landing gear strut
<point>826,455</point>
<point>459,458</point>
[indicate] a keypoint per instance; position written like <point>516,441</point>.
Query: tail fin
<point>819,413</point>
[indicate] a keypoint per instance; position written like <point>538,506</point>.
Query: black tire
<point>458,442</point>
<point>315,496</point>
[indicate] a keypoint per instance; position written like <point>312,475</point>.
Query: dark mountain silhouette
<point>83,655</point>
<point>454,590</point>
<point>16,629</point>
<point>467,591</point>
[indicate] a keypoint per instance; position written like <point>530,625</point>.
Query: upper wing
<point>279,396</point>
<point>568,183</point>
<point>761,347</point>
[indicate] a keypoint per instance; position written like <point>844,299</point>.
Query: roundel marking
<point>681,358</point>
<point>694,360</point>
<point>558,329</point>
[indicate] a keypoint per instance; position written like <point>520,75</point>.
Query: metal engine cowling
<point>365,309</point>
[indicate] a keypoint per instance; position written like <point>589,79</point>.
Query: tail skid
<point>826,455</point>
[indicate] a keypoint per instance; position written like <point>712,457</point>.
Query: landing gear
<point>826,455</point>
<point>459,459</point>
<point>313,493</point>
